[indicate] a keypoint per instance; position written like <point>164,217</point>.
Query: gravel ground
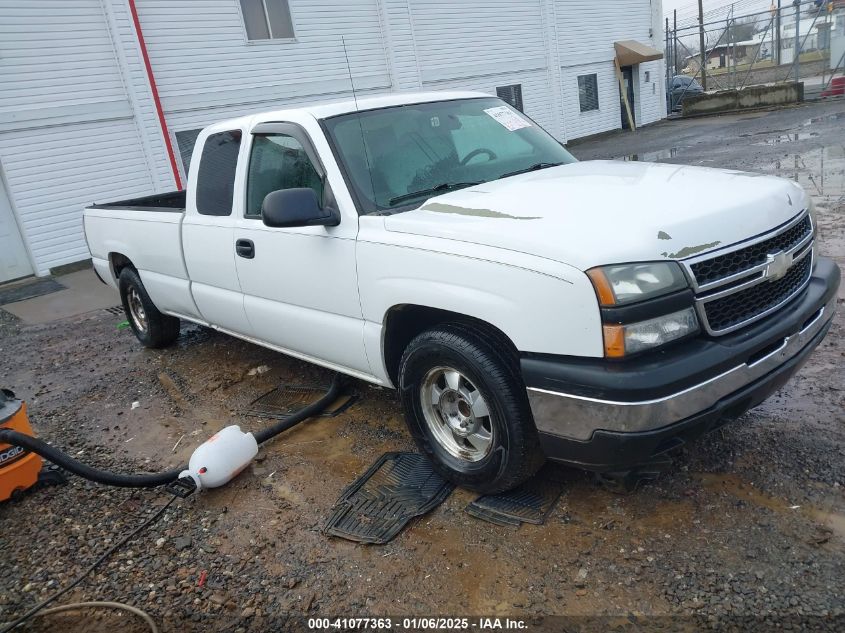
<point>748,523</point>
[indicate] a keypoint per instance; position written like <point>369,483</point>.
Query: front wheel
<point>153,328</point>
<point>467,409</point>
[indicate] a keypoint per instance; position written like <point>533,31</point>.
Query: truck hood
<point>604,212</point>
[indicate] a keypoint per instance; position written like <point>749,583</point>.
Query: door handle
<point>245,249</point>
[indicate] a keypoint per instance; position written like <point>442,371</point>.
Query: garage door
<point>14,261</point>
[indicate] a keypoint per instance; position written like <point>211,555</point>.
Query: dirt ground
<point>748,522</point>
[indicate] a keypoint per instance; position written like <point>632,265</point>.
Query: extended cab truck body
<point>525,305</point>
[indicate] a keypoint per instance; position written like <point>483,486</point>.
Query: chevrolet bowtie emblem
<point>777,265</point>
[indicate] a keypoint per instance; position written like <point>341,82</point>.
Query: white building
<point>101,100</point>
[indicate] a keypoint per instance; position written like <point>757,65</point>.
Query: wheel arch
<point>119,261</point>
<point>403,322</point>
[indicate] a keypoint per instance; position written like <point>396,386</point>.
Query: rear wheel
<point>467,409</point>
<point>153,328</point>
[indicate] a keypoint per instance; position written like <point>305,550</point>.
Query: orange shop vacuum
<point>19,469</point>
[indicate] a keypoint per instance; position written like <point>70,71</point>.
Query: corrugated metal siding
<point>67,133</point>
<point>587,29</point>
<point>53,173</point>
<point>55,52</point>
<point>586,32</point>
<point>651,102</point>
<point>402,45</point>
<point>474,38</point>
<point>135,77</point>
<point>607,117</point>
<point>206,70</point>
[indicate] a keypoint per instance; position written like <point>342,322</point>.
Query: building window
<point>588,92</point>
<point>512,95</point>
<point>267,19</point>
<point>216,178</point>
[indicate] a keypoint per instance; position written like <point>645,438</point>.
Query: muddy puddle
<point>820,171</point>
<point>788,138</point>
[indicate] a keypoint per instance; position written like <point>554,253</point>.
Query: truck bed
<point>171,202</point>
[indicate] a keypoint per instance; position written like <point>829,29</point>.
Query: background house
<point>102,99</point>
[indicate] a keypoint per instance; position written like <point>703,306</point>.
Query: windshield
<point>422,150</point>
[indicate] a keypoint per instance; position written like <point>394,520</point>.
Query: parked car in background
<point>682,87</point>
<point>525,305</point>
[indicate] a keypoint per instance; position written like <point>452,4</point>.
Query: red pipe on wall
<point>154,89</point>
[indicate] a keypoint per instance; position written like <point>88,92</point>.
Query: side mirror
<point>296,207</point>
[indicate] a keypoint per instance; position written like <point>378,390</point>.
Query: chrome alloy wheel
<point>456,414</point>
<point>136,309</point>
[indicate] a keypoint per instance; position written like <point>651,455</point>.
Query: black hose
<point>152,480</point>
<point>67,462</point>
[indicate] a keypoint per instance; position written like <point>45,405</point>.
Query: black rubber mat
<point>29,290</point>
<point>397,488</point>
<point>285,400</point>
<point>531,502</point>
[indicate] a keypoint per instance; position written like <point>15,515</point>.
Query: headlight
<point>623,340</point>
<point>627,283</point>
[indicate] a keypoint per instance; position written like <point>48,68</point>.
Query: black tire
<point>153,328</point>
<point>483,360</point>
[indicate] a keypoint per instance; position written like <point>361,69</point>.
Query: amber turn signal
<point>602,286</point>
<point>614,341</point>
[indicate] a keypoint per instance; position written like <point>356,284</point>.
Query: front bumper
<point>613,416</point>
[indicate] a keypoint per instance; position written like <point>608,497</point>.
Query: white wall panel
<point>650,99</point>
<point>587,29</point>
<point>607,117</point>
<point>586,32</point>
<point>54,53</point>
<point>401,44</point>
<point>140,95</point>
<point>54,172</point>
<point>68,134</point>
<point>204,65</point>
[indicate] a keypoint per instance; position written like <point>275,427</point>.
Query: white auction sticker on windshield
<point>507,117</point>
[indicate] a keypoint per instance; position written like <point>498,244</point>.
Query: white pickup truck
<point>525,305</point>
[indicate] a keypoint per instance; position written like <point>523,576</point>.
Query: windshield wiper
<point>444,186</point>
<point>533,167</point>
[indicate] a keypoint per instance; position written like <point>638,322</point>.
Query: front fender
<point>554,311</point>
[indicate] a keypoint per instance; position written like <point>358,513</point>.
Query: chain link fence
<point>733,49</point>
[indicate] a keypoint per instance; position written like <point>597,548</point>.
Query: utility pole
<point>732,58</point>
<point>703,61</point>
<point>777,30</point>
<point>796,60</point>
<point>729,31</point>
<point>668,55</point>
<point>675,43</point>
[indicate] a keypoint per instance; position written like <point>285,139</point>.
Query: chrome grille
<point>738,285</point>
<point>740,307</point>
<point>711,270</point>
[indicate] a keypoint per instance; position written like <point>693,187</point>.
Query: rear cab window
<point>216,173</point>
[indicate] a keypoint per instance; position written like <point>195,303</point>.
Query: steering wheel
<point>476,152</point>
